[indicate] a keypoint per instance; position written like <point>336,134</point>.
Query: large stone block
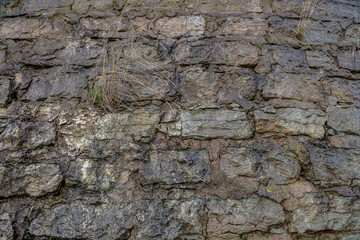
<point>344,119</point>
<point>170,219</point>
<point>113,27</point>
<point>244,28</point>
<point>55,84</point>
<point>319,211</point>
<point>291,121</point>
<point>293,86</point>
<point>27,135</point>
<point>208,124</point>
<point>34,180</point>
<point>28,28</point>
<point>342,91</point>
<point>320,59</point>
<point>271,164</point>
<point>39,5</point>
<point>289,60</point>
<point>226,6</point>
<point>228,219</point>
<point>206,88</point>
<point>176,167</point>
<point>180,26</point>
<point>349,59</point>
<point>224,53</point>
<point>335,167</point>
<point>79,220</point>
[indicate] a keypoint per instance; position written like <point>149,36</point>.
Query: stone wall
<point>233,119</point>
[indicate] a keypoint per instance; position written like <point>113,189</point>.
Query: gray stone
<point>206,88</point>
<point>224,6</point>
<point>79,220</point>
<point>344,119</point>
<point>320,59</point>
<point>342,91</point>
<point>349,59</point>
<point>230,218</point>
<point>335,167</point>
<point>180,26</point>
<point>29,135</point>
<point>6,229</point>
<point>352,34</point>
<point>351,142</point>
<point>34,180</point>
<point>244,28</point>
<point>270,164</point>
<point>215,124</point>
<point>96,8</point>
<point>4,90</point>
<point>113,27</point>
<point>176,167</point>
<point>38,5</point>
<point>223,53</point>
<point>28,28</point>
<point>290,60</point>
<point>319,211</point>
<point>291,121</point>
<point>275,192</point>
<point>293,86</point>
<point>319,33</point>
<point>170,219</point>
<point>55,84</point>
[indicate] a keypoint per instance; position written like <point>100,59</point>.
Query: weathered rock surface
<point>291,121</point>
<point>34,180</point>
<point>344,119</point>
<point>170,219</point>
<point>335,167</point>
<point>176,167</point>
<point>79,220</point>
<point>320,211</point>
<point>6,229</point>
<point>230,218</point>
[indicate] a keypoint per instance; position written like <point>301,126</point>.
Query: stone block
<point>80,220</point>
<point>176,167</point>
<point>228,219</point>
<point>225,6</point>
<point>47,5</point>
<point>293,86</point>
<point>223,53</point>
<point>342,91</point>
<point>113,27</point>
<point>180,26</point>
<point>170,219</point>
<point>320,211</point>
<point>6,229</point>
<point>34,180</point>
<point>29,28</point>
<point>291,121</point>
<point>318,59</point>
<point>349,59</point>
<point>4,90</point>
<point>345,120</point>
<point>333,167</point>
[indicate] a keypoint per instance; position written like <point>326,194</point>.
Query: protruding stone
<point>335,167</point>
<point>344,119</point>
<point>4,90</point>
<point>318,212</point>
<point>230,218</point>
<point>6,229</point>
<point>180,26</point>
<point>349,59</point>
<point>293,86</point>
<point>35,180</point>
<point>170,219</point>
<point>224,6</point>
<point>291,121</point>
<point>176,167</point>
<point>78,220</point>
<point>106,27</point>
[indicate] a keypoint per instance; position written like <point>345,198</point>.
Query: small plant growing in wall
<point>304,19</point>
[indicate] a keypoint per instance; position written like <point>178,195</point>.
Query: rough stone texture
<point>291,121</point>
<point>293,86</point>
<point>319,211</point>
<point>230,218</point>
<point>335,167</point>
<point>180,119</point>
<point>172,167</point>
<point>344,119</point>
<point>171,219</point>
<point>34,180</point>
<point>6,230</point>
<point>77,220</point>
